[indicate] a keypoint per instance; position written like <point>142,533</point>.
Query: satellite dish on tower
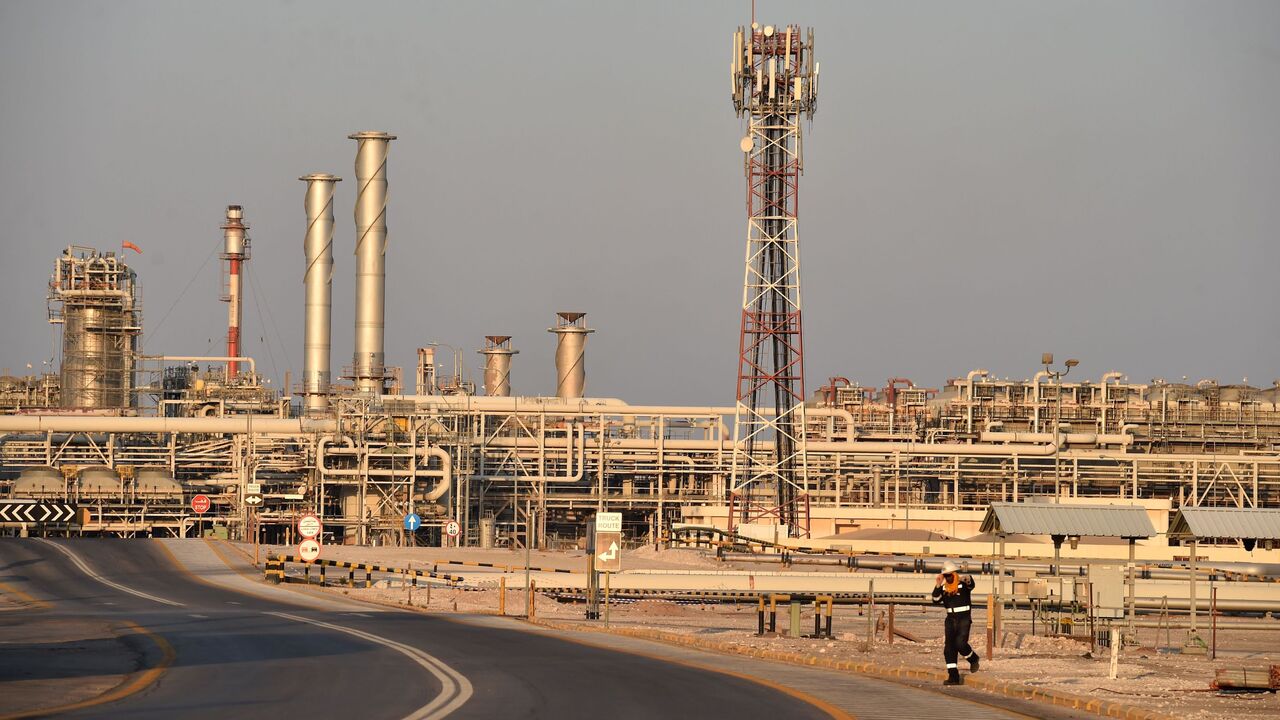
<point>746,144</point>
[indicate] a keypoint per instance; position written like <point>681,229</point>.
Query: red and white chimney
<point>235,252</point>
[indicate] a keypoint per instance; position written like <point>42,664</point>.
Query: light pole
<point>457,355</point>
<point>1046,359</point>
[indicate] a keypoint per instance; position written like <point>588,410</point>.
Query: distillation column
<point>369,368</point>
<point>318,282</point>
<point>93,295</point>
<point>774,80</point>
<point>497,354</point>
<point>571,354</point>
<point>235,251</point>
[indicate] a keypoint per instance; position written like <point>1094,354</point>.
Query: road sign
<point>608,522</point>
<point>34,511</point>
<point>201,504</point>
<point>253,488</point>
<point>253,500</point>
<point>608,551</point>
<point>452,528</point>
<point>309,526</point>
<point>309,550</point>
<point>608,542</point>
<point>412,522</point>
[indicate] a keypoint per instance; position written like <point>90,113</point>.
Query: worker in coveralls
<point>951,590</point>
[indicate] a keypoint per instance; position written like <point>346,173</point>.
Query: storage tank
<point>98,482</point>
<point>487,532</point>
<point>156,483</point>
<point>39,482</point>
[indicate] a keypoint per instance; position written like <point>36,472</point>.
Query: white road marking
<point>455,689</point>
<point>87,571</point>
<point>232,602</point>
<point>358,614</point>
<point>202,617</point>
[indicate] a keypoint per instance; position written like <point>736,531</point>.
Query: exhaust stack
<point>497,354</point>
<point>318,281</point>
<point>235,251</point>
<point>571,346</point>
<point>369,365</point>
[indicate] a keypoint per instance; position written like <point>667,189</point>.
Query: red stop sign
<point>200,504</point>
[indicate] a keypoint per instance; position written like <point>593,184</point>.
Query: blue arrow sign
<point>412,522</point>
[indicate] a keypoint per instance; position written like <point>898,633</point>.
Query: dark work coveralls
<point>957,625</point>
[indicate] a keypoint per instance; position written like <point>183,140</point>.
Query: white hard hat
<point>949,567</point>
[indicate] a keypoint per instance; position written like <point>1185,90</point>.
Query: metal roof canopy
<point>1122,521</point>
<point>1220,522</point>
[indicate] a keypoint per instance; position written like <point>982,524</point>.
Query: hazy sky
<point>984,180</point>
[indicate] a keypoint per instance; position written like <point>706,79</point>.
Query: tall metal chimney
<point>369,369</point>
<point>318,281</point>
<point>571,346</point>
<point>497,354</point>
<point>235,250</point>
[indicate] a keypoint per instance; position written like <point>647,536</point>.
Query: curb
<point>1102,708</point>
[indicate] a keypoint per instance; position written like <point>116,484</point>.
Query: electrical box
<point>1037,589</point>
<point>1107,584</point>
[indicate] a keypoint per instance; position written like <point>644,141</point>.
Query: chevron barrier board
<point>37,511</point>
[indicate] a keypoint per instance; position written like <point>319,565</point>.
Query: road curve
<point>256,657</point>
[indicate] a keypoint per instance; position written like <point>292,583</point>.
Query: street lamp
<point>1046,359</point>
<point>457,356</point>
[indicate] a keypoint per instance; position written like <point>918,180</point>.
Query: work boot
<point>953,677</point>
<point>973,663</point>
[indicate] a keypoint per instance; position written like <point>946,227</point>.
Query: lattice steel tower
<point>774,85</point>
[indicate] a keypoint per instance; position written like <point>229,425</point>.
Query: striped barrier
<point>275,571</point>
<point>505,568</point>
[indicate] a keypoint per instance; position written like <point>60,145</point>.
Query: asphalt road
<point>246,656</point>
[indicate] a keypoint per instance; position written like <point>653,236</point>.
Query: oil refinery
<point>133,437</point>
<point>187,531</point>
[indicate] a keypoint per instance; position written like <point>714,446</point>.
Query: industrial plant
<point>133,437</point>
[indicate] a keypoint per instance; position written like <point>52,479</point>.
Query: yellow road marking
<point>23,597</point>
<point>134,683</point>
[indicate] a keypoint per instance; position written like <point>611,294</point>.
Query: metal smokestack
<point>318,281</point>
<point>369,368</point>
<point>571,369</point>
<point>235,250</point>
<point>497,354</point>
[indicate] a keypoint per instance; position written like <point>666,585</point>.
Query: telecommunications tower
<point>775,83</point>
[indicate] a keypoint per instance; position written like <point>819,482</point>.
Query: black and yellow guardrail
<point>275,571</point>
<point>823,606</point>
<point>496,566</point>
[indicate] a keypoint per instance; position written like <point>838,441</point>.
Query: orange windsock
<point>131,246</point>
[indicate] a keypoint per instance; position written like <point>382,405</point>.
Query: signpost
<point>200,504</point>
<point>309,550</point>
<point>309,527</point>
<point>412,522</point>
<point>608,551</point>
<point>452,529</point>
